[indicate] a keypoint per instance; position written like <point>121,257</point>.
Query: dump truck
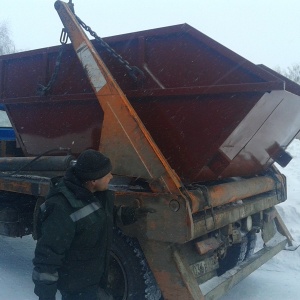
<point>193,130</point>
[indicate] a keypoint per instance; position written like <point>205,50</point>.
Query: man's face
<point>101,184</point>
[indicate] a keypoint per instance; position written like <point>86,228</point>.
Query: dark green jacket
<point>75,235</point>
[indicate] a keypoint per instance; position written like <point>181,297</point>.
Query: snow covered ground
<point>277,279</point>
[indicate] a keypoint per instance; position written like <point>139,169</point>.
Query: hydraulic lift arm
<point>124,138</point>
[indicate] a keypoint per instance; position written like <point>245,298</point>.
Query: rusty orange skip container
<point>212,113</point>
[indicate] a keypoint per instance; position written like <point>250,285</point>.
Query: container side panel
<point>45,126</point>
<point>190,130</point>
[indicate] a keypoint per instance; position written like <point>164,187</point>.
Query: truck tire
<point>234,256</point>
<point>252,238</point>
<point>129,276</point>
<point>237,253</point>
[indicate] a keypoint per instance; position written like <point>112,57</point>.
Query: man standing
<point>75,231</point>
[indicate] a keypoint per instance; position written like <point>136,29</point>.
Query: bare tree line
<point>292,72</point>
<point>6,44</point>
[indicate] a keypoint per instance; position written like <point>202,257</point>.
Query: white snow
<point>4,121</point>
<point>277,279</point>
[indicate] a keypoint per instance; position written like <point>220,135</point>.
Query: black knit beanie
<point>92,165</point>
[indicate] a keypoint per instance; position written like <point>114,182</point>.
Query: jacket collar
<point>75,185</point>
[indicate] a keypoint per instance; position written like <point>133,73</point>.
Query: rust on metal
<point>225,193</point>
<point>231,192</point>
<point>232,214</point>
<point>207,245</point>
<point>167,224</point>
<point>121,128</point>
<point>171,270</point>
<point>35,187</point>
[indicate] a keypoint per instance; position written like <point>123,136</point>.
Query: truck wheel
<point>237,253</point>
<point>129,277</point>
<point>251,243</point>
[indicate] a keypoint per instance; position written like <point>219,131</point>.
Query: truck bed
<point>212,113</point>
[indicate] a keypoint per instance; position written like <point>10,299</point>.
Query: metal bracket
<point>207,207</point>
<point>213,217</point>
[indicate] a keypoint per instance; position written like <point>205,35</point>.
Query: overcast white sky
<point>263,31</point>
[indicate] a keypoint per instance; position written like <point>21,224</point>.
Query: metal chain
<point>45,90</point>
<point>136,73</point>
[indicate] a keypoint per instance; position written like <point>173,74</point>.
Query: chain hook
<point>45,90</point>
<point>133,71</point>
<point>63,36</point>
